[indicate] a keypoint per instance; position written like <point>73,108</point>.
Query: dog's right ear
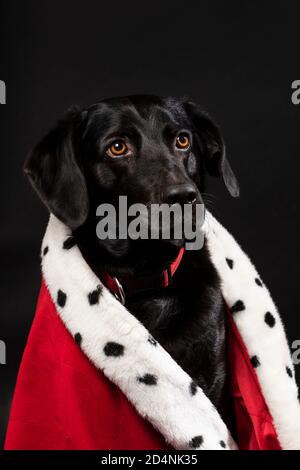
<point>55,174</point>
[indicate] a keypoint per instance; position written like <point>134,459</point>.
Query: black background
<point>237,59</point>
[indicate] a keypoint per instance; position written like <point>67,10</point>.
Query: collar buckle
<point>120,294</point>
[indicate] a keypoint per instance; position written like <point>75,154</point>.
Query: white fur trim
<point>268,344</point>
<point>169,405</point>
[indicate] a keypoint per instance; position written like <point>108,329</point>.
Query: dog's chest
<point>190,324</point>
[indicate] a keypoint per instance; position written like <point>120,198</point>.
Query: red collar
<point>122,288</point>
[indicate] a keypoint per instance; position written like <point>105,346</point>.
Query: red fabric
<point>255,429</point>
<point>62,401</point>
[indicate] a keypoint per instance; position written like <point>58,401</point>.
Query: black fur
<point>73,175</point>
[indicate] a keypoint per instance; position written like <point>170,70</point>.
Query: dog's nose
<point>180,194</point>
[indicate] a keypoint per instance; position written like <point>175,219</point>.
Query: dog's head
<point>153,150</point>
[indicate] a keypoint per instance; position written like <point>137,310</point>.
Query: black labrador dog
<point>153,150</point>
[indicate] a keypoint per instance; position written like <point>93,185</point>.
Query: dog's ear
<point>55,174</point>
<point>212,146</point>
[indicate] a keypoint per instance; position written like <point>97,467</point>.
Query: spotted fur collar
<point>118,344</point>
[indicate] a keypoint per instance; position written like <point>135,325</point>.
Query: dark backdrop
<point>238,59</point>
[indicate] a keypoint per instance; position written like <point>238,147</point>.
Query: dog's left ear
<point>212,146</point>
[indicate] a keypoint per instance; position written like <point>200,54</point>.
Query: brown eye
<point>183,141</point>
<point>117,149</point>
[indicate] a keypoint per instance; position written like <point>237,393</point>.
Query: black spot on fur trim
<point>196,442</point>
<point>148,379</point>
<point>61,298</point>
<point>229,262</point>
<point>113,349</point>
<point>270,319</point>
<point>222,444</point>
<point>45,250</point>
<point>258,282</point>
<point>69,243</point>
<point>193,388</point>
<point>289,371</point>
<point>152,340</point>
<point>95,295</point>
<point>255,361</point>
<point>78,338</point>
<point>239,306</point>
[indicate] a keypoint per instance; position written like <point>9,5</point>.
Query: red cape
<point>62,401</point>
